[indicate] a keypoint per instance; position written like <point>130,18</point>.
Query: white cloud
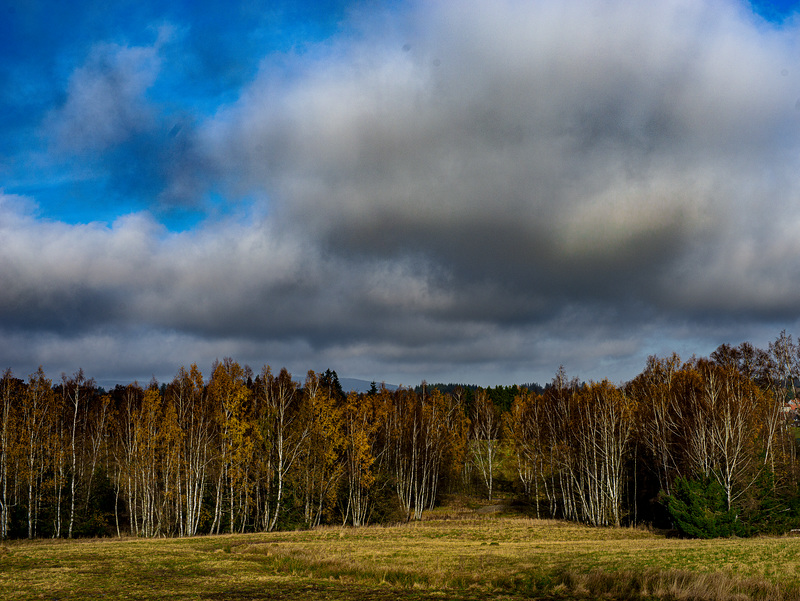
<point>106,99</point>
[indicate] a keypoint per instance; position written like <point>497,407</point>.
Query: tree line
<point>704,446</point>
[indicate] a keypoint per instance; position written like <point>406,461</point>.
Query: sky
<point>451,191</point>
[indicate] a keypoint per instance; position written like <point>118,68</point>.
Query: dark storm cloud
<point>579,152</point>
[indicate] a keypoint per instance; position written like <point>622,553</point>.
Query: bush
<point>699,510</point>
<point>772,507</point>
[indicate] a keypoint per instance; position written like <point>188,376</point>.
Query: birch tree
<point>362,418</point>
<point>735,428</point>
<point>782,375</point>
<point>127,404</point>
<point>282,428</point>
<point>322,464</point>
<point>658,430</point>
<point>37,411</point>
<point>525,428</point>
<point>484,438</point>
<point>231,397</point>
<point>9,444</point>
<point>195,422</point>
<point>75,392</point>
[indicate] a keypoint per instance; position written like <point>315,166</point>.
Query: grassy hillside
<point>460,555</point>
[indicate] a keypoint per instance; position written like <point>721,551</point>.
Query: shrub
<point>698,509</point>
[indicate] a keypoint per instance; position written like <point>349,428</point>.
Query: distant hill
<point>354,384</point>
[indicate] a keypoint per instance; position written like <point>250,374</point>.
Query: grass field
<point>456,556</point>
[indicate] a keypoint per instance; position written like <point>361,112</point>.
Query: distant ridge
<point>356,385</point>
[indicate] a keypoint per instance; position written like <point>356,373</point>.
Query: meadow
<point>452,555</point>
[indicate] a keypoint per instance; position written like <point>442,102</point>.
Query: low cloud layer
<point>452,191</point>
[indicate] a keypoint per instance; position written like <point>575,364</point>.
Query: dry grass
<point>459,555</point>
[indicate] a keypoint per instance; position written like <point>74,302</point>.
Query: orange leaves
<point>362,417</point>
<point>484,443</point>
<point>229,393</point>
<point>321,465</point>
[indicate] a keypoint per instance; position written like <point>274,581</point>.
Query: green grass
<point>460,556</point>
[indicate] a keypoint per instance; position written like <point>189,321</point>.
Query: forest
<point>705,447</point>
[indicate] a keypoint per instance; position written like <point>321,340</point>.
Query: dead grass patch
<point>471,557</point>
